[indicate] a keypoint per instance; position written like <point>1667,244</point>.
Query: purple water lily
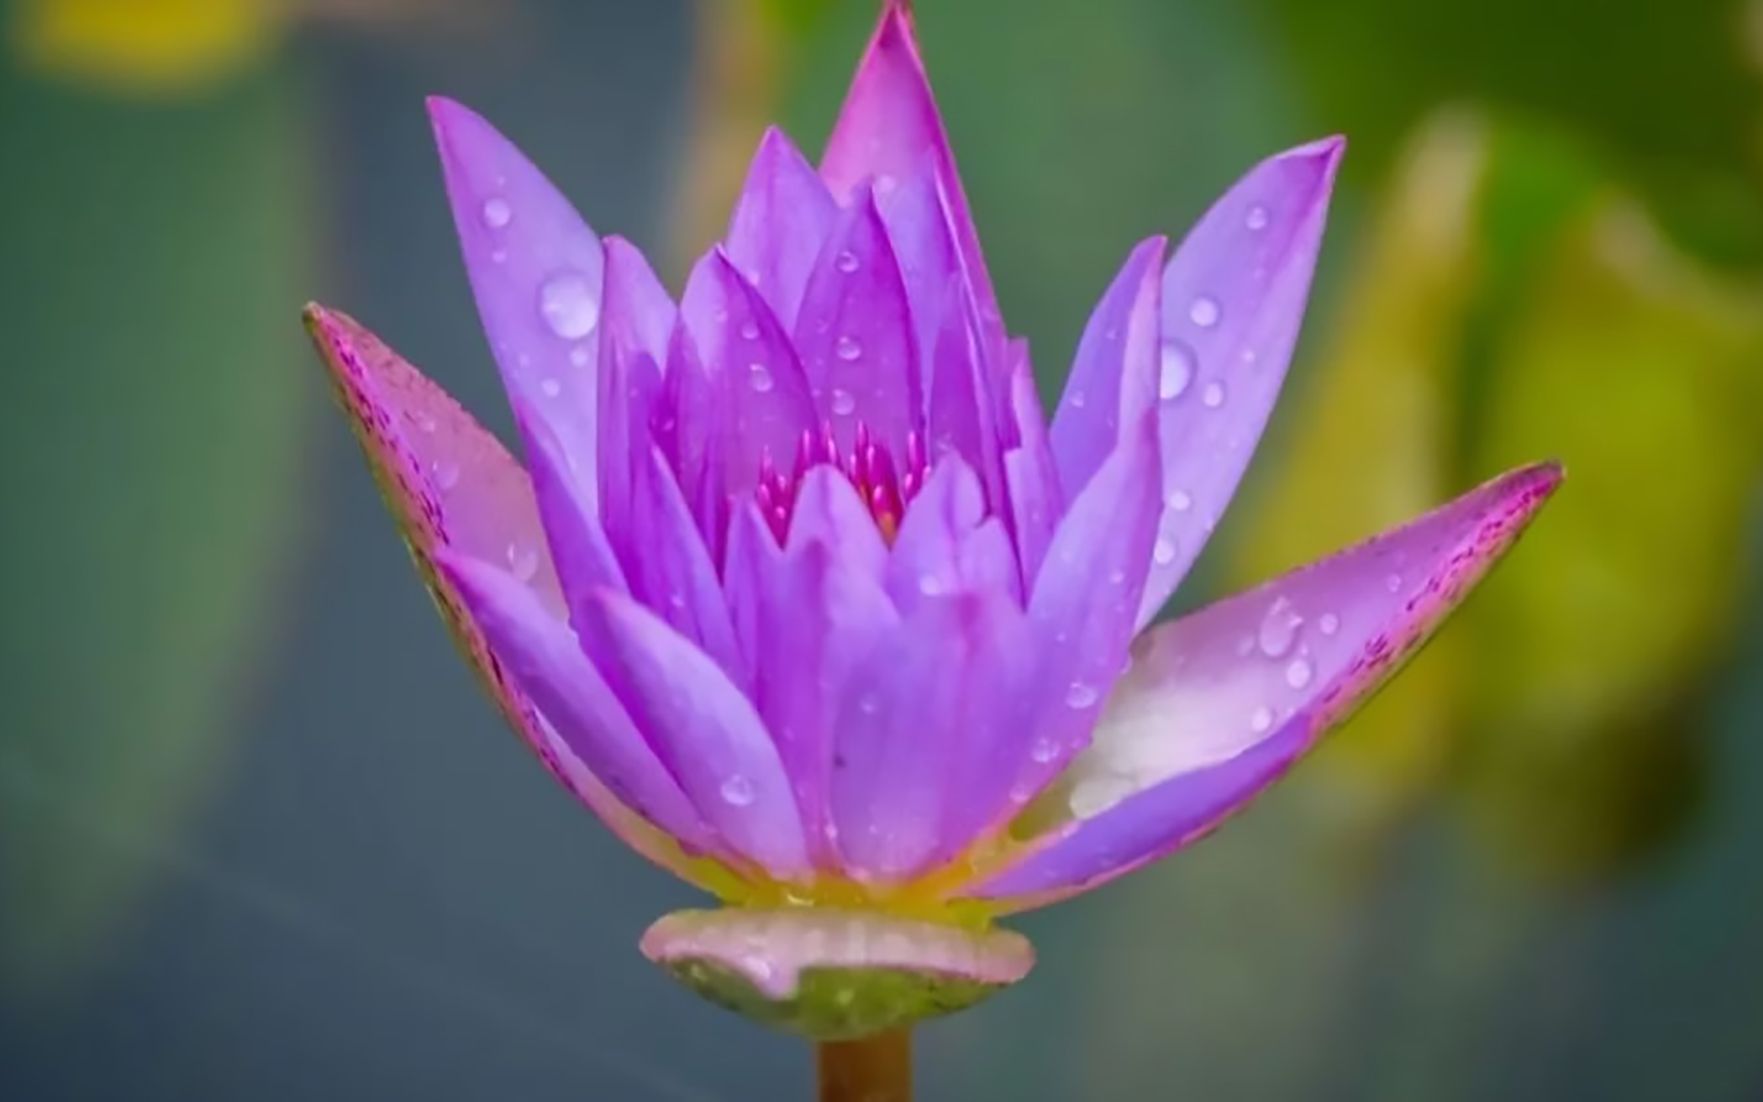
<point>800,590</point>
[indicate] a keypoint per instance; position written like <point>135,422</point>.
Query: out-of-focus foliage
<point>145,45</point>
<point>1511,304</point>
<point>151,427</point>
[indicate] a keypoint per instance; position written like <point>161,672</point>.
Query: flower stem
<point>873,1069</point>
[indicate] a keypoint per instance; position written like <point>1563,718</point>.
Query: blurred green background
<point>260,836</point>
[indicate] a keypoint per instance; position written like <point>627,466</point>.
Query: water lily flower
<point>800,591</point>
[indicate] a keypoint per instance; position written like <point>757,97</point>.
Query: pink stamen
<point>884,486</point>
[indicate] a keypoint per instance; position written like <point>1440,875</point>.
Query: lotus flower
<point>801,592</point>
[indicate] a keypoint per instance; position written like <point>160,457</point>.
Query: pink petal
<point>1233,298</point>
<point>889,125</point>
<point>1219,704</point>
<point>702,727</point>
<point>536,269</point>
<point>855,334</point>
<point>1113,379</point>
<point>781,219</point>
<point>451,485</point>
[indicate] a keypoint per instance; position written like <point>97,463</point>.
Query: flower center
<point>884,484</point>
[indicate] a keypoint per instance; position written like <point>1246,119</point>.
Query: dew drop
<point>847,262</point>
<point>497,213</point>
<point>1393,582</point>
<point>499,256</point>
<point>1328,623</point>
<point>760,377</point>
<point>1298,673</point>
<point>1078,400</point>
<point>1261,719</point>
<point>1164,551</point>
<point>569,305</point>
<point>930,585</point>
<point>868,704</point>
<point>737,791</point>
<point>446,474</point>
<point>551,387</point>
<point>1176,371</point>
<point>1256,219</point>
<point>749,330</point>
<point>847,348</point>
<point>1117,576</point>
<point>523,562</point>
<point>1044,750</point>
<point>842,402</point>
<point>1204,312</point>
<point>1080,696</point>
<point>1213,395</point>
<point>580,355</point>
<point>1179,501</point>
<point>1279,628</point>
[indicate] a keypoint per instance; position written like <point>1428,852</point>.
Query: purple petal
<point>930,262</point>
<point>1219,704</point>
<point>536,269</point>
<point>1113,379</point>
<point>828,511</point>
<point>855,333</point>
<point>1081,613</point>
<point>1233,299</point>
<point>963,408</point>
<point>451,485</point>
<point>672,572</point>
<point>902,722</point>
<point>1031,476</point>
<point>805,618</point>
<point>702,727</point>
<point>888,126</point>
<point>762,402</point>
<point>943,547</point>
<point>583,554</point>
<point>636,322</point>
<point>547,663</point>
<point>689,430</point>
<point>781,219</point>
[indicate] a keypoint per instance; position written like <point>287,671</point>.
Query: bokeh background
<point>261,837</point>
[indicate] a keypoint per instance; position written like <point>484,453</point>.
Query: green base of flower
<point>832,974</point>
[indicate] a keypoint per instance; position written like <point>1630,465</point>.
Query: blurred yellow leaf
<point>144,45</point>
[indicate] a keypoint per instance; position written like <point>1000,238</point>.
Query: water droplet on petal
<point>446,474</point>
<point>569,305</point>
<point>737,790</point>
<point>1044,750</point>
<point>1393,582</point>
<point>1298,673</point>
<point>1179,501</point>
<point>847,262</point>
<point>1213,395</point>
<point>1261,719</point>
<point>523,562</point>
<point>1279,628</point>
<point>930,585</point>
<point>1081,696</point>
<point>847,348</point>
<point>1176,372</point>
<point>1164,551</point>
<point>497,213</point>
<point>1078,400</point>
<point>580,355</point>
<point>749,330</point>
<point>1204,312</point>
<point>760,376</point>
<point>551,387</point>
<point>1256,219</point>
<point>842,402</point>
<point>1329,623</point>
<point>868,704</point>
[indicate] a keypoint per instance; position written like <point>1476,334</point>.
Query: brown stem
<point>874,1069</point>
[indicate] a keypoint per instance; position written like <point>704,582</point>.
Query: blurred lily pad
<point>154,407</point>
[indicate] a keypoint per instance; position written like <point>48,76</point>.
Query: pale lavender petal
<point>672,572</point>
<point>1219,704</point>
<point>763,402</point>
<point>781,219</point>
<point>636,321</point>
<point>547,663</point>
<point>1233,298</point>
<point>1113,378</point>
<point>805,619</point>
<point>855,334</point>
<point>583,554</point>
<point>451,485</point>
<point>901,724</point>
<point>702,727</point>
<point>962,416</point>
<point>888,126</point>
<point>536,270</point>
<point>689,429</point>
<point>930,262</point>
